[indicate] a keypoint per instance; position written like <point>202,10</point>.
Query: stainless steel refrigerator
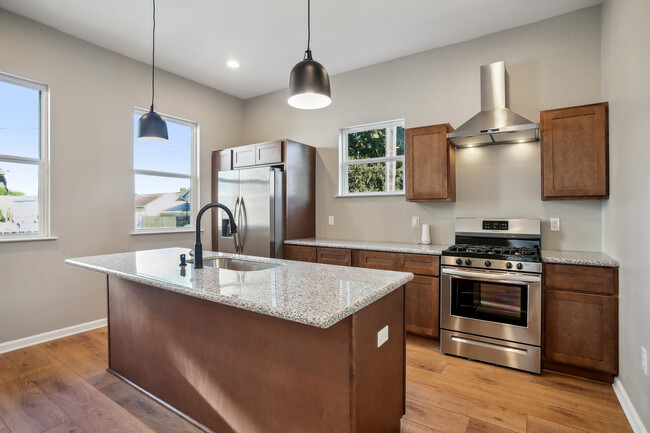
<point>254,195</point>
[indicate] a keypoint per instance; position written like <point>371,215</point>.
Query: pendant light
<point>151,126</point>
<point>309,84</point>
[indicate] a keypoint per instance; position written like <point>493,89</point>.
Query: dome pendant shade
<point>309,85</point>
<point>152,127</point>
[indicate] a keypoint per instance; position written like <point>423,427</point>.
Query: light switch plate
<point>555,224</point>
<point>382,336</point>
<point>415,222</point>
<point>331,220</point>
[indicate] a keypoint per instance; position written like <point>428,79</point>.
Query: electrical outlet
<point>382,336</point>
<point>415,222</point>
<point>331,220</point>
<point>555,224</point>
<point>644,360</point>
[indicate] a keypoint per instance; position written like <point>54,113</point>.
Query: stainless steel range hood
<point>495,123</point>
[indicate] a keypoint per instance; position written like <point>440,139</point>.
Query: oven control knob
<point>468,262</point>
<point>509,265</point>
<point>520,266</point>
<point>488,263</point>
<point>459,261</point>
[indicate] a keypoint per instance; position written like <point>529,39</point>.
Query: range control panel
<point>495,225</point>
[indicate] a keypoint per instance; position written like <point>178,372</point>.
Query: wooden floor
<point>62,386</point>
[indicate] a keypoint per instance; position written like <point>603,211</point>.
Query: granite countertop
<point>309,293</point>
<point>587,258</point>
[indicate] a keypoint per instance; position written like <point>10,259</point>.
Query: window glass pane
<point>19,211</point>
<point>399,139</point>
<point>367,144</point>
<point>171,156</point>
<point>367,177</point>
<point>161,202</point>
<point>19,121</point>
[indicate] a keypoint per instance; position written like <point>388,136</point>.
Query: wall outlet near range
<point>415,222</point>
<point>644,360</point>
<point>555,224</point>
<point>331,220</point>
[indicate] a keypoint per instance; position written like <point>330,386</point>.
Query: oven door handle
<point>508,279</point>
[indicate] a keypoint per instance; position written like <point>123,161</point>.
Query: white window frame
<point>344,163</point>
<point>193,176</point>
<point>43,162</point>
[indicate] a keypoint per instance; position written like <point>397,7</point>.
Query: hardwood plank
<point>3,427</point>
<point>500,416</point>
<point>94,342</point>
<point>23,407</point>
<point>146,410</point>
<point>68,427</point>
<point>435,417</point>
<point>80,360</point>
<point>29,358</point>
<point>523,403</point>
<point>424,361</point>
<point>409,426</point>
<point>478,426</point>
<point>519,385</point>
<point>538,425</point>
<point>88,408</point>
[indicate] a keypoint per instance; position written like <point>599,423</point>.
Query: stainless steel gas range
<point>491,292</point>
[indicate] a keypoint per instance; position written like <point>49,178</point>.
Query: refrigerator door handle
<point>242,225</point>
<point>234,235</point>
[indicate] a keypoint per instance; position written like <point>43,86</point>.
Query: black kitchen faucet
<point>198,248</point>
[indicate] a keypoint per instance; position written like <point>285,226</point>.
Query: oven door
<point>496,304</point>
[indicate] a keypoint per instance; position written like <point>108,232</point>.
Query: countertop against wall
<point>587,258</point>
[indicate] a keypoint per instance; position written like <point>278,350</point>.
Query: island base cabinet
<point>422,309</point>
<point>230,370</point>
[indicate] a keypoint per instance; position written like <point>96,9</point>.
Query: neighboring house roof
<point>142,200</point>
<point>185,195</point>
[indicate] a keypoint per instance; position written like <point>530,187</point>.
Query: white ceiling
<point>195,38</point>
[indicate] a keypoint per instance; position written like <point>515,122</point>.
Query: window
<point>24,161</point>
<point>371,159</point>
<point>166,177</point>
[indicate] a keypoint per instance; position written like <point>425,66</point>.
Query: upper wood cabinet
<point>257,154</point>
<point>243,156</point>
<point>575,152</point>
<point>430,164</point>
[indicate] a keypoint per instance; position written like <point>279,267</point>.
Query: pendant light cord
<point>308,52</point>
<point>153,56</point>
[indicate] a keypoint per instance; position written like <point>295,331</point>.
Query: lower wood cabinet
<point>422,306</point>
<point>334,256</point>
<point>374,260</point>
<point>303,254</point>
<point>581,320</point>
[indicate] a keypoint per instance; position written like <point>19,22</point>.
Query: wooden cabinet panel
<point>374,260</point>
<point>243,156</point>
<point>581,330</point>
<point>268,153</point>
<point>430,164</point>
<point>334,256</point>
<point>574,146</point>
<point>224,160</point>
<point>297,252</point>
<point>421,264</point>
<point>422,308</point>
<point>582,278</point>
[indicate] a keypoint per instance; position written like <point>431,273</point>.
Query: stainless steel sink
<point>237,264</point>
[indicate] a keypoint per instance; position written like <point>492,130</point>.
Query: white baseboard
<point>51,335</point>
<point>630,412</point>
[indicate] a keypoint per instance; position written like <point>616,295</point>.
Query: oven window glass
<point>494,302</point>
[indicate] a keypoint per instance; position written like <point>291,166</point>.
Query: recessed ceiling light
<point>234,64</point>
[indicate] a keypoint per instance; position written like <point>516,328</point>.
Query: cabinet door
<point>581,330</point>
<point>574,146</point>
<point>374,260</point>
<point>243,156</point>
<point>334,256</point>
<point>592,279</point>
<point>268,153</point>
<point>224,160</point>
<point>303,254</point>
<point>422,306</point>
<point>422,264</point>
<point>430,164</point>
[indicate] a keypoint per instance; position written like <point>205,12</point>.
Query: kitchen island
<point>293,348</point>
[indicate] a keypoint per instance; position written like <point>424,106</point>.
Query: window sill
<point>162,232</point>
<point>371,194</point>
<point>32,239</point>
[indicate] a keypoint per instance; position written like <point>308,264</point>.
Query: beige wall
<point>551,64</point>
<point>93,92</point>
<point>626,85</point>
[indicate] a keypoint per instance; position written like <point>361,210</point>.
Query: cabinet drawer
<point>419,264</point>
<point>268,153</point>
<point>243,156</point>
<point>374,260</point>
<point>422,307</point>
<point>303,254</point>
<point>334,256</point>
<point>591,279</point>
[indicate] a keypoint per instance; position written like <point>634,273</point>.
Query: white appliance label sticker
<point>382,336</point>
